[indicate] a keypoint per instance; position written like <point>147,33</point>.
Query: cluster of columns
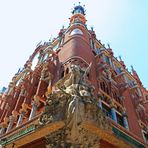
<point>21,107</point>
<point>114,113</point>
<point>6,126</point>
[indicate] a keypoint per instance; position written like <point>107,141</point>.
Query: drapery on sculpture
<point>74,103</point>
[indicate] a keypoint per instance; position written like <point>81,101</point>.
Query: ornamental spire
<point>78,14</point>
<point>79,9</point>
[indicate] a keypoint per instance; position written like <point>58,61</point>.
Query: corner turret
<point>78,15</point>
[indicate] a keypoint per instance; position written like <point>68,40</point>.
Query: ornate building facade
<point>73,93</point>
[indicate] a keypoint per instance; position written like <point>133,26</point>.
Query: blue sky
<point>24,23</point>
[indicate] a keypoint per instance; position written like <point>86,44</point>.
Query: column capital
<point>112,104</point>
<point>49,91</point>
<point>24,108</point>
<point>4,124</point>
<point>124,114</point>
<point>15,113</point>
<point>36,99</point>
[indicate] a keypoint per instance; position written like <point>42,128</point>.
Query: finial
<point>92,28</point>
<point>103,45</point>
<point>108,45</point>
<point>120,58</point>
<point>78,9</point>
<point>18,70</point>
<point>132,68</point>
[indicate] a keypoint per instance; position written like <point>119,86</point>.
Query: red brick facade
<point>120,93</point>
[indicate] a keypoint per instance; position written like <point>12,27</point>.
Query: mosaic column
<point>20,120</point>
<point>113,114</point>
<point>125,121</point>
<point>10,125</point>
<point>113,111</point>
<point>23,111</point>
<point>33,110</point>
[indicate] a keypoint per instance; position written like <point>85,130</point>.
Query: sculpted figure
<point>78,81</point>
<point>74,77</point>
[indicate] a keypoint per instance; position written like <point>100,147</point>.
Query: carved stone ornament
<point>74,103</point>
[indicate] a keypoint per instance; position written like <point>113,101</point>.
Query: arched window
<point>76,31</point>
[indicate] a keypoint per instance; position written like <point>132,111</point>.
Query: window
<point>104,87</point>
<point>107,60</point>
<point>76,31</point>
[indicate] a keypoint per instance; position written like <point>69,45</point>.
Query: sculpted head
<point>74,68</point>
